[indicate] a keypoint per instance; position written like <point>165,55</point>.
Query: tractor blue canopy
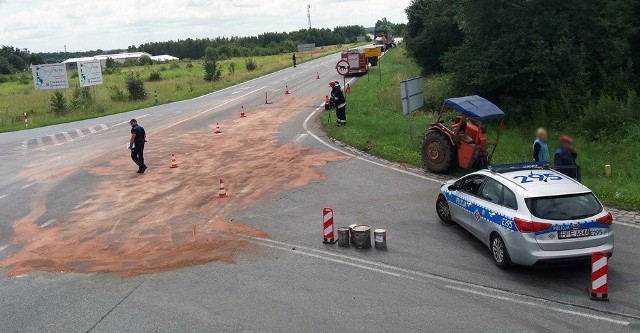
<point>475,107</point>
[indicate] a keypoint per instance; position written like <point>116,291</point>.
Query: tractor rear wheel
<point>437,152</point>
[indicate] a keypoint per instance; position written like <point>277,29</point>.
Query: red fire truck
<point>358,64</point>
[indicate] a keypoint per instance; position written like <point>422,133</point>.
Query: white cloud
<point>48,25</point>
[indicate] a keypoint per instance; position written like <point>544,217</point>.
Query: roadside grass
<point>178,83</point>
<point>376,125</point>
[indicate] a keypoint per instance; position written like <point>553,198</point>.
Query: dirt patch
<point>170,218</point>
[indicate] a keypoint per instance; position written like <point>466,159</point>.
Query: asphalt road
<point>433,277</point>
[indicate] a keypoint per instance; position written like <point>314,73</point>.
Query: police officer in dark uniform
<point>136,145</point>
<point>339,101</point>
<point>293,57</point>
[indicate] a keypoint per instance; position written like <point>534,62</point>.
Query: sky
<point>81,25</point>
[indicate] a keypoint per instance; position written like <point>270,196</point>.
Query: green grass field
<point>376,125</point>
<point>178,83</point>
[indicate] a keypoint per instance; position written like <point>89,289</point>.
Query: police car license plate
<point>574,233</point>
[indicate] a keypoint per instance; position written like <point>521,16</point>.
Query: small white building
<point>164,57</point>
<point>72,63</point>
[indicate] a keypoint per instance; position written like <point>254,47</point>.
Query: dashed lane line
<point>79,132</point>
<point>48,223</point>
<point>67,136</point>
<point>54,139</point>
<point>27,186</point>
<point>300,137</point>
<point>449,283</point>
<point>4,247</point>
<point>3,196</point>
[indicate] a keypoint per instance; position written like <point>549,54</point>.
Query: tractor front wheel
<point>437,152</point>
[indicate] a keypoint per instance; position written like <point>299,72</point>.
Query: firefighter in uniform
<point>339,102</point>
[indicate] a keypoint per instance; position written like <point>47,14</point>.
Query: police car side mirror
<point>453,187</point>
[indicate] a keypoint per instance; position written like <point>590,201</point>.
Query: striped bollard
<point>26,121</point>
<point>327,226</point>
<point>599,289</point>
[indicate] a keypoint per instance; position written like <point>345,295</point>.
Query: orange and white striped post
<point>599,289</point>
<point>328,227</point>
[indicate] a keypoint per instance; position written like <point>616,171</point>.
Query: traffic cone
<point>317,75</point>
<point>242,115</point>
<point>348,88</point>
<point>286,92</point>
<point>174,163</point>
<point>222,192</point>
<point>218,131</point>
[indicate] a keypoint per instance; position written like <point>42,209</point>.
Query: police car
<point>528,214</point>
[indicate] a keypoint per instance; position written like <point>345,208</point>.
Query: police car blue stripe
<point>481,212</point>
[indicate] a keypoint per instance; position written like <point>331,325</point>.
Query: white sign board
<point>90,73</point>
<point>306,47</point>
<point>50,76</point>
<point>412,94</point>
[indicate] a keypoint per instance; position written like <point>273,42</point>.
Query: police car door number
<point>575,233</point>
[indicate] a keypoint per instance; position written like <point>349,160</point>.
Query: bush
<point>154,76</point>
<point>4,78</point>
<point>74,74</point>
<point>250,64</point>
<point>609,117</point>
<point>110,63</point>
<point>174,65</point>
<point>163,68</point>
<point>116,94</point>
<point>135,87</point>
<point>145,60</point>
<point>58,103</point>
<point>211,71</point>
<point>24,79</point>
<point>232,68</point>
<point>82,97</point>
<point>189,64</point>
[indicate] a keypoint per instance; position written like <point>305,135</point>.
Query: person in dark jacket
<point>339,101</point>
<point>565,157</point>
<point>540,147</point>
<point>136,145</point>
<point>293,58</point>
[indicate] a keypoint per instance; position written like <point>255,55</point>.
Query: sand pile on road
<point>170,218</point>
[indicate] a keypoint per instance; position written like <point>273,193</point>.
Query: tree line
<point>557,62</point>
<point>269,43</point>
<point>13,59</point>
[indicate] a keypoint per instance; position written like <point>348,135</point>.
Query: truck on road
<point>383,39</point>
<point>358,64</point>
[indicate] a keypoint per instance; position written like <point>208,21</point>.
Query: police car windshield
<point>564,207</point>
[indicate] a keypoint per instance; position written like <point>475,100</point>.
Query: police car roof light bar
<point>502,168</point>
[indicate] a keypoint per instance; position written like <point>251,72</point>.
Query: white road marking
<point>39,140</point>
<point>82,204</point>
<point>300,137</point>
<point>4,247</point>
<point>306,128</point>
<point>3,196</point>
<point>80,134</point>
<point>211,109</point>
<point>632,225</point>
<point>28,185</point>
<point>541,305</point>
<point>104,126</point>
<point>127,121</point>
<point>421,276</point>
<point>91,130</point>
<point>67,136</point>
<point>46,224</point>
<point>25,146</point>
<point>54,139</point>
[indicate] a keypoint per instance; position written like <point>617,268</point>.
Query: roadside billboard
<point>50,76</point>
<point>90,73</point>
<point>306,47</point>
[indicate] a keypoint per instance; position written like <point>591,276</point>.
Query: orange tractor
<point>465,143</point>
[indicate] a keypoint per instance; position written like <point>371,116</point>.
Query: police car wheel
<point>499,251</point>
<point>442,208</point>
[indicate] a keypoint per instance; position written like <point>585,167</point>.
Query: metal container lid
<point>379,231</point>
<point>361,228</point>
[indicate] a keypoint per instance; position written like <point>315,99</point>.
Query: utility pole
<point>65,49</point>
<point>309,15</point>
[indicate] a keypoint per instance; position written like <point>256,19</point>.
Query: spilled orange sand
<point>169,218</point>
